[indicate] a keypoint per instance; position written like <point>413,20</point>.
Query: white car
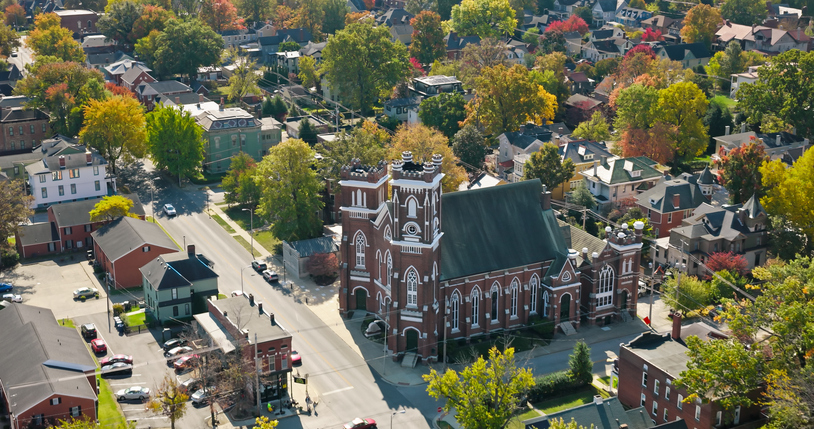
<point>135,392</point>
<point>200,396</point>
<point>178,351</point>
<point>169,210</point>
<point>87,292</point>
<point>10,297</point>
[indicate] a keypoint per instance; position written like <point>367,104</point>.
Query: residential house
<point>46,371</point>
<point>397,108</point>
<point>632,17</point>
<point>289,61</point>
<point>269,44</point>
<point>194,104</point>
<point>607,32</point>
<point>8,80</point>
<point>607,413</point>
<point>579,83</point>
<point>613,182</point>
<point>68,172</point>
<point>296,254</point>
<point>115,71</point>
<point>78,21</point>
<point>579,108</point>
<point>597,50</point>
<point>749,76</point>
<point>671,201</point>
<point>573,43</point>
<point>430,86</point>
<point>568,6</point>
<point>515,50</point>
<point>534,21</point>
<point>241,325</point>
<point>22,129</point>
<point>456,44</point>
<point>605,11</point>
<point>583,154</point>
<point>292,125</point>
<point>402,33</point>
<point>313,50</point>
<point>296,94</point>
<point>90,42</point>
<point>148,92</point>
<point>100,60</point>
<point>740,229</point>
<point>648,368</point>
<point>68,228</point>
<point>527,140</point>
<point>226,133</point>
<point>212,73</point>
<point>784,146</point>
<point>124,245</point>
<point>670,28</point>
<point>13,166</point>
<point>690,55</point>
<point>237,38</point>
<point>134,77</point>
<point>271,133</point>
<point>762,39</point>
<point>484,288</point>
<point>394,17</point>
<point>177,285</point>
<point>518,163</point>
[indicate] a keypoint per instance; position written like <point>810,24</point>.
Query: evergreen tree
<point>580,363</point>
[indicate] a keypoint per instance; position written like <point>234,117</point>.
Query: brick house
<point>22,129</point>
<point>78,21</point>
<point>456,44</point>
<point>68,227</point>
<point>127,244</point>
<point>240,322</point>
<point>51,378</point>
<point>134,77</point>
<point>648,366</point>
<point>668,203</point>
<point>405,265</point>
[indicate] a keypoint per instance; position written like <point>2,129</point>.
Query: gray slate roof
<point>660,197</point>
<point>578,239</point>
<point>126,234</point>
<point>53,360</point>
<point>582,151</point>
<point>173,270</point>
<point>678,52</point>
<point>38,233</point>
<point>527,234</point>
<point>306,248</point>
<point>609,415</point>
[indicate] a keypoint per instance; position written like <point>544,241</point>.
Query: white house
<point>68,172</point>
<point>749,76</point>
<point>605,11</point>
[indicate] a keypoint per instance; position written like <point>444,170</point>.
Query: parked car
<point>10,297</point>
<point>86,292</point>
<point>98,345</point>
<point>6,287</point>
<point>237,293</point>
<point>190,385</point>
<point>177,352</point>
<point>169,210</point>
<point>642,288</point>
<point>88,331</point>
<point>118,368</point>
<point>186,362</point>
<point>296,359</point>
<point>270,276</point>
<point>360,423</point>
<point>259,265</point>
<point>135,392</point>
<point>173,343</point>
<point>116,358</point>
<point>201,395</point>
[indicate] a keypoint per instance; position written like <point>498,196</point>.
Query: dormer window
<point>589,156</point>
<point>636,173</point>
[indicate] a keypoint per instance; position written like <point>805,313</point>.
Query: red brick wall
<point>61,411</point>
<point>34,249</point>
<point>126,268</point>
<point>79,23</point>
<point>659,221</point>
<point>31,139</point>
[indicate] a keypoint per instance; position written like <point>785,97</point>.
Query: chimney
<point>251,299</point>
<point>191,250</point>
<point>545,199</point>
<point>200,98</point>
<point>62,162</point>
<point>226,314</point>
<point>271,318</point>
<point>726,130</point>
<point>595,168</point>
<point>177,101</point>
<point>221,103</point>
<point>598,400</point>
<point>585,253</point>
<point>676,200</point>
<point>89,157</point>
<point>676,325</point>
<point>778,139</point>
<point>743,127</point>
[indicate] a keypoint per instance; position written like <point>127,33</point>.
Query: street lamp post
<point>401,411</point>
<point>241,277</point>
<point>251,227</point>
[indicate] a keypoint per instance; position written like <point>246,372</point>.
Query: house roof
<point>75,156</point>
<point>661,351</point>
<point>514,210</point>
<point>177,269</point>
<point>679,52</point>
<point>251,319</point>
<point>605,45</point>
<point>131,74</point>
<point>706,178</point>
<point>659,21</point>
<point>22,114</point>
<point>53,361</point>
<point>602,34</point>
<point>578,239</point>
<point>579,77</point>
<point>753,207</point>
<point>232,117</point>
<point>609,414</point>
<point>38,233</point>
<point>13,101</point>
<point>395,17</point>
<point>311,49</point>
<point>527,135</point>
<point>77,212</point>
<point>306,248</point>
<point>456,43</point>
<point>709,222</point>
<point>403,102</point>
<point>125,234</point>
<point>166,86</point>
<point>661,197</point>
<point>582,151</point>
<point>619,170</point>
<point>582,102</point>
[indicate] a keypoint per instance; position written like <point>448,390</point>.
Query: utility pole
<point>384,349</point>
<point>650,288</point>
<point>584,214</point>
<point>336,106</point>
<point>445,338</point>
<point>256,375</point>
<point>678,275</point>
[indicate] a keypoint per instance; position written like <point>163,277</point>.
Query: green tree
<point>469,146</point>
<point>428,38</point>
<point>89,424</point>
<point>9,40</point>
<point>443,112</point>
<point>307,132</point>
<point>636,107</point>
<point>582,196</point>
<point>424,142</point>
<point>739,171</point>
<point>16,209</point>
<point>717,118</point>
<point>174,141</point>
<point>547,165</point>
<point>239,185</point>
<point>366,143</point>
<point>335,12</point>
<point>790,398</point>
<point>290,191</point>
<point>146,49</point>
<point>255,10</point>
<point>595,129</point>
<point>184,46</point>
<point>532,37</point>
<point>693,294</point>
<point>118,23</point>
<point>683,105</point>
<point>475,57</point>
<point>483,18</point>
<point>309,73</point>
<point>560,424</point>
<point>49,38</point>
<point>152,18</point>
<point>115,127</point>
<point>700,24</point>
<point>169,401</point>
<point>790,193</point>
<point>580,364</point>
<point>744,12</point>
<point>485,394</point>
<point>111,207</point>
<point>414,7</point>
<point>606,67</point>
<point>244,79</point>
<point>363,64</point>
<point>507,98</point>
<point>275,107</point>
<point>585,13</point>
<point>782,90</point>
<point>289,46</point>
<point>721,370</point>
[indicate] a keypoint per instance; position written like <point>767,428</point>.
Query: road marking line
<point>336,391</point>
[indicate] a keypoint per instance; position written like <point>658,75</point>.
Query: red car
<point>296,359</point>
<point>360,423</point>
<point>116,358</point>
<point>185,362</point>
<point>98,345</point>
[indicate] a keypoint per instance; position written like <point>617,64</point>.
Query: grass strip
<point>223,224</point>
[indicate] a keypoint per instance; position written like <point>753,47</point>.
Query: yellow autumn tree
<point>424,142</point>
<point>790,192</point>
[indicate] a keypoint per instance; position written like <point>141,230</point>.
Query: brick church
<point>473,262</point>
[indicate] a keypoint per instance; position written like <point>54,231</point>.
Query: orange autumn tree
<point>221,15</point>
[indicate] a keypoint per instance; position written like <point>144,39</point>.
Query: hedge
<point>552,385</point>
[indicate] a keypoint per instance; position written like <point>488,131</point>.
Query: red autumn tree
<point>323,266</point>
<point>119,90</point>
<point>654,143</point>
<point>651,35</point>
<point>221,15</point>
<point>739,171</point>
<point>15,15</point>
<point>645,49</point>
<point>574,23</point>
<point>727,261</point>
<point>417,69</point>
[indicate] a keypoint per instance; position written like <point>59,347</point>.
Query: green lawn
<point>223,223</point>
<point>580,397</point>
<point>136,319</point>
<point>68,323</point>
<point>725,101</point>
<point>516,421</point>
<point>268,241</point>
<point>243,219</point>
<point>606,381</point>
<point>243,243</point>
<point>222,296</point>
<point>109,414</point>
<point>205,178</point>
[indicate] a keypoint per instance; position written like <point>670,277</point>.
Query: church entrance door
<point>412,340</point>
<point>361,299</point>
<point>565,308</point>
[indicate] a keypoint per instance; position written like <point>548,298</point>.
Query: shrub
<point>542,327</point>
<point>9,258</point>
<point>323,267</point>
<point>551,385</point>
<point>118,309</point>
